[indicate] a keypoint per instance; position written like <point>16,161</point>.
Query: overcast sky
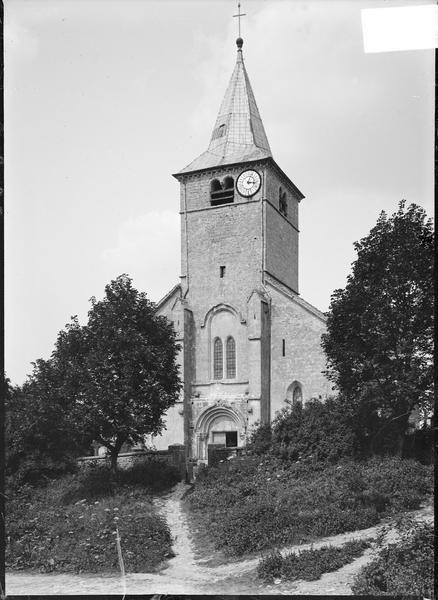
<point>106,99</point>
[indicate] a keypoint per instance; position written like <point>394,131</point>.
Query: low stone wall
<point>175,455</point>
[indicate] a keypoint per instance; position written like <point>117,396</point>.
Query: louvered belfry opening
<point>222,193</point>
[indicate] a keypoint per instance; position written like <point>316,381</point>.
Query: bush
<point>261,439</point>
<point>309,564</point>
<point>402,568</point>
<point>155,475</point>
<point>97,481</point>
<point>333,430</point>
<point>323,431</point>
<point>45,534</point>
<point>38,469</point>
<point>250,504</point>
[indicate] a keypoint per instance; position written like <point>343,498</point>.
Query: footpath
<point>184,574</point>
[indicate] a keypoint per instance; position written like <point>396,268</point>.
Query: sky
<point>105,99</point>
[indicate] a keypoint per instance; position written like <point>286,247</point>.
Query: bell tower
<point>239,229</point>
<point>239,211</point>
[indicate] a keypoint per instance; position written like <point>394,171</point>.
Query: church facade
<point>249,342</point>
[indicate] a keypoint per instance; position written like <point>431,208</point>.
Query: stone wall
<point>304,360</point>
<point>175,456</point>
<point>126,459</point>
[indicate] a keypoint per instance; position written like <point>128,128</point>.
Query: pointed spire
<point>238,134</point>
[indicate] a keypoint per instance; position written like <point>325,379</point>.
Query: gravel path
<point>184,574</point>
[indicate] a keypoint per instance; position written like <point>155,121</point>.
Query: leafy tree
<point>117,375</point>
<point>379,329</point>
<point>41,442</point>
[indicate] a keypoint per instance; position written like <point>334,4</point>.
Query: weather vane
<point>239,14</point>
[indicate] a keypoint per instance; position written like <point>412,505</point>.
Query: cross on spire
<point>239,14</point>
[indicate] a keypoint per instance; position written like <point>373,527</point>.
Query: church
<point>249,342</point>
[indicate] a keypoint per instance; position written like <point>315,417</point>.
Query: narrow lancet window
<point>218,359</point>
<point>231,358</point>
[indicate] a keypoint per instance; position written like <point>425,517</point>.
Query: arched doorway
<point>218,425</point>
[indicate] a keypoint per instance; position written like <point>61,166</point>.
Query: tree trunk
<point>114,455</point>
<point>400,444</point>
<point>114,451</point>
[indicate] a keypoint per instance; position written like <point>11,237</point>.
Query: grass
<point>70,525</point>
<point>259,503</point>
<point>309,564</point>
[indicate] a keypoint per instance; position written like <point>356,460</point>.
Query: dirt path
<point>184,574</point>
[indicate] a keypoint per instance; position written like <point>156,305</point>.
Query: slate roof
<point>238,134</point>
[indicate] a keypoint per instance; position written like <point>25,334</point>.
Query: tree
<point>379,339</point>
<point>41,442</point>
<point>118,373</point>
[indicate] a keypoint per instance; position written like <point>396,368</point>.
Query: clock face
<point>248,183</point>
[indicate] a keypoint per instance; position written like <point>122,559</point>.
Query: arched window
<point>231,358</point>
<point>218,359</point>
<point>294,393</point>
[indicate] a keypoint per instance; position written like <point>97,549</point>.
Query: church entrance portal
<point>218,425</point>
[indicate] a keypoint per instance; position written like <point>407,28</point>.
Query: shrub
<point>261,439</point>
<point>309,564</point>
<point>321,430</point>
<point>38,469</point>
<point>154,475</point>
<point>97,481</point>
<point>402,568</point>
<point>257,503</point>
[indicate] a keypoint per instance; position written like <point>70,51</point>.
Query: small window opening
<point>222,272</point>
<point>219,131</point>
<point>222,193</point>
<point>282,202</point>
<point>284,347</point>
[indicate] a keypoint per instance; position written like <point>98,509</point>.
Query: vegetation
<point>319,430</point>
<point>379,339</point>
<point>71,524</point>
<point>40,445</point>
<point>309,564</point>
<point>110,380</point>
<point>257,503</point>
<point>402,568</point>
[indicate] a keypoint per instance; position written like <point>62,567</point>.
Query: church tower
<point>239,278</point>
<point>236,189</point>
